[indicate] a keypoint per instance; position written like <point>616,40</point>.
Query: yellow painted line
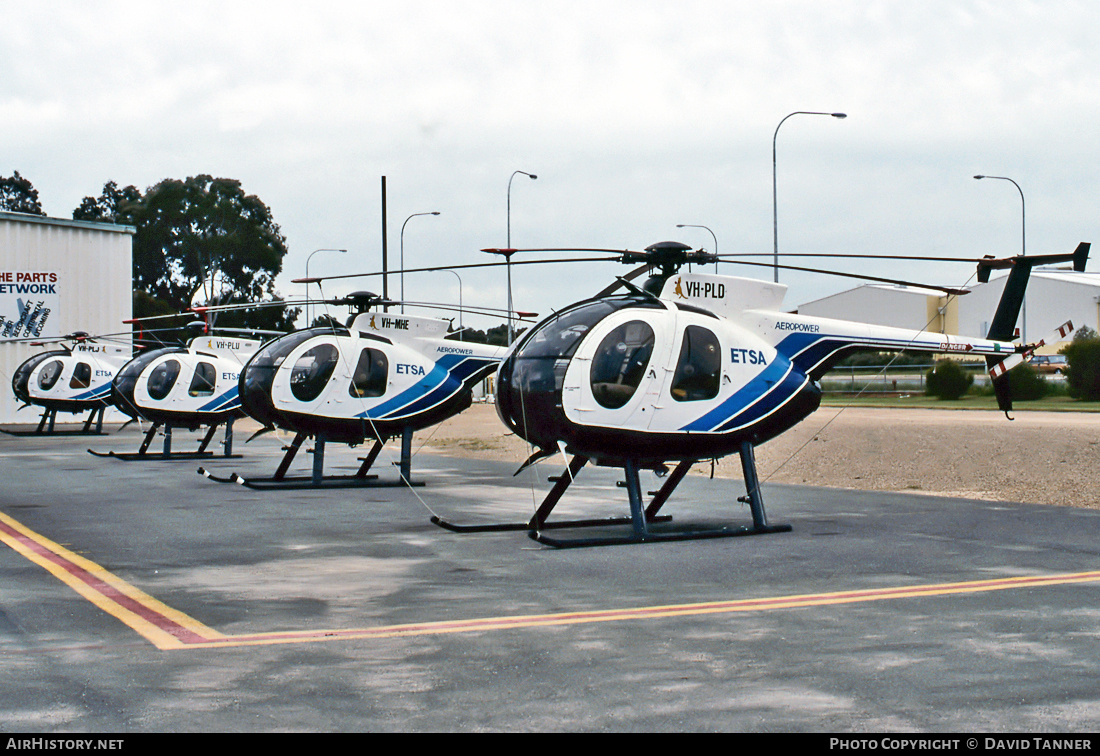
<point>657,612</point>
<point>158,623</point>
<point>169,629</point>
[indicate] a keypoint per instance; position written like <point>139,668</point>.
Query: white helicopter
<point>76,378</point>
<point>692,367</point>
<point>384,375</point>
<point>183,387</point>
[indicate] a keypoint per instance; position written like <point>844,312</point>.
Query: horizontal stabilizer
<point>1079,257</point>
<point>1059,334</point>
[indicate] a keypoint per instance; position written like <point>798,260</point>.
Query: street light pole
<point>693,225</point>
<point>508,255</point>
<point>455,274</point>
<point>775,192</point>
<point>403,256</point>
<point>1023,244</point>
<point>311,254</point>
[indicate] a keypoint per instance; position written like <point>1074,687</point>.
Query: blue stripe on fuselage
<point>444,379</point>
<point>99,392</point>
<point>773,386</point>
<point>228,401</point>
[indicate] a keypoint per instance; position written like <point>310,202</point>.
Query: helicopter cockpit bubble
<point>531,378</point>
<point>122,387</point>
<point>258,374</point>
<point>20,381</point>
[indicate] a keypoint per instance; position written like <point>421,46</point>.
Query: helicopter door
<point>698,372</point>
<point>614,384</point>
<point>202,383</point>
<point>162,379</point>
<point>371,374</point>
<point>692,381</point>
<point>311,372</point>
<point>82,376</point>
<point>49,374</point>
<point>619,364</point>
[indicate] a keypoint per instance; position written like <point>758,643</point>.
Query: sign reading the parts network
<point>29,302</point>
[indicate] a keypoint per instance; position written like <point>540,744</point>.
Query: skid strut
<point>317,478</point>
<point>166,453</point>
<point>46,423</point>
<point>539,522</point>
<point>641,516</point>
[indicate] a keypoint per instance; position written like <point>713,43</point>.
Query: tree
<point>947,380</point>
<point>204,238</point>
<point>113,206</point>
<point>1083,365</point>
<point>18,195</point>
<point>199,241</point>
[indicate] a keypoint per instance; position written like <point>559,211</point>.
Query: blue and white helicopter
<point>691,367</point>
<point>183,387</point>
<point>382,376</point>
<point>75,378</point>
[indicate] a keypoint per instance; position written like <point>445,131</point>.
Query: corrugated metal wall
<point>94,267</point>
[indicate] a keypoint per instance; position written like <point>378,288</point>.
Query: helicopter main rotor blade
<point>860,276</point>
<point>466,266</point>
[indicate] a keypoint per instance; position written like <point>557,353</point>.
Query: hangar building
<point>58,276</point>
<point>1053,297</point>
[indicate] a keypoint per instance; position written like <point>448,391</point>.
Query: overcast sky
<point>636,117</point>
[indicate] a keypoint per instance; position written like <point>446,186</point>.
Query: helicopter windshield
<point>559,336</point>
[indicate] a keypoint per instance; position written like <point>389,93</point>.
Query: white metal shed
<point>58,276</point>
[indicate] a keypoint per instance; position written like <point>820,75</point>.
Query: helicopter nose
<point>254,388</point>
<point>122,393</point>
<point>20,382</point>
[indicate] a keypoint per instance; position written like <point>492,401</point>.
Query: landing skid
<point>166,454</point>
<point>318,480</point>
<point>640,518</point>
<point>49,418</point>
<point>538,520</point>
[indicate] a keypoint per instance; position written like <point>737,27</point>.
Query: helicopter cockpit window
<point>163,378</point>
<point>620,362</point>
<point>82,376</point>
<point>371,374</point>
<point>699,369</point>
<point>312,371</point>
<point>560,336</point>
<point>203,382</point>
<point>48,376</point>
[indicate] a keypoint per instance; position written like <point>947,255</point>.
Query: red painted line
<point>105,589</point>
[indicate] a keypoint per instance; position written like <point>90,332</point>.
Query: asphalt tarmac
<point>141,597</point>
